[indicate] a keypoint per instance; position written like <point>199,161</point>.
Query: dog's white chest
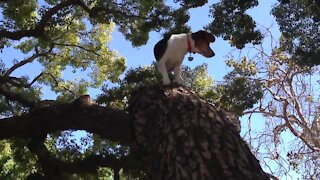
<point>175,52</point>
<point>170,51</point>
<point>174,59</point>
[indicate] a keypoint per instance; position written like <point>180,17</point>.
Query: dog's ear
<point>203,35</point>
<point>210,37</point>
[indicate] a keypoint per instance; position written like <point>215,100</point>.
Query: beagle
<point>170,51</point>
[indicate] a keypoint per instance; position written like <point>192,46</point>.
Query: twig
<point>23,62</point>
<point>81,47</point>
<point>55,80</point>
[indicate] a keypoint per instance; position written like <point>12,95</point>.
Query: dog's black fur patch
<point>160,48</point>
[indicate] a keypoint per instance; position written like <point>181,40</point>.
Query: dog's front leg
<point>163,70</point>
<point>177,76</point>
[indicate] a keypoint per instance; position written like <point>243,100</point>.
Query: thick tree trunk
<point>182,137</point>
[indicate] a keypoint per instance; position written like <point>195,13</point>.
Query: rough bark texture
<point>184,137</point>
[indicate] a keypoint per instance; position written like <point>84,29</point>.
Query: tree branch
<point>23,62</point>
<point>108,123</point>
<point>20,83</point>
<point>54,167</point>
<point>294,131</point>
<point>39,28</point>
<point>78,46</point>
<point>12,96</point>
<point>267,113</point>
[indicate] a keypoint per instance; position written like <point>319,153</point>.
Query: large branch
<point>108,123</point>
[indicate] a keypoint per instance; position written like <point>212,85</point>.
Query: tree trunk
<point>182,137</point>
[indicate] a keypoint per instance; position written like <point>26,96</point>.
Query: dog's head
<point>202,41</point>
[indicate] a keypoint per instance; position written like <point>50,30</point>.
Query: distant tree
<point>298,20</point>
<point>290,110</point>
<point>299,23</point>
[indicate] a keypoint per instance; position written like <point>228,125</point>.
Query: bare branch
<point>267,113</point>
<point>23,62</point>
<point>294,131</point>
<point>296,104</point>
<point>81,47</point>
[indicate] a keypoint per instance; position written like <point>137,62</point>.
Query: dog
<point>169,52</point>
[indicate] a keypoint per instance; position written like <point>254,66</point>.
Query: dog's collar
<point>190,58</point>
<point>189,44</point>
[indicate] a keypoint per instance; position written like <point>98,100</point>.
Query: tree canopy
<point>73,35</point>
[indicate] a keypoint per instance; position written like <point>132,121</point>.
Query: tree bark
<point>176,134</point>
<point>182,137</point>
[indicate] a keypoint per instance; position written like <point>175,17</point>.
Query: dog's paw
<point>166,82</point>
<point>180,81</point>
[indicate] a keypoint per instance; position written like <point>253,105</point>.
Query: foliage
<point>197,78</point>
<point>241,90</point>
<point>236,94</point>
<point>299,23</point>
<point>232,23</point>
<point>16,160</point>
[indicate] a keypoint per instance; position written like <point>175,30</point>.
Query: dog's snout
<point>212,54</point>
<point>209,53</point>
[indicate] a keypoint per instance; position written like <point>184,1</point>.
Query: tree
<point>290,107</point>
<point>298,21</point>
<point>202,149</point>
<point>73,34</point>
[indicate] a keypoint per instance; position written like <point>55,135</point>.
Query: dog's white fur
<point>177,48</point>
